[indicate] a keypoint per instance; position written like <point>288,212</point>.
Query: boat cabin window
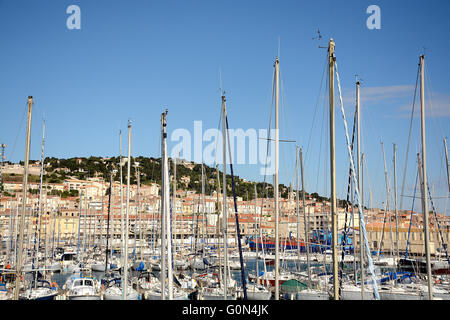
<point>68,257</point>
<point>77,283</point>
<point>88,283</point>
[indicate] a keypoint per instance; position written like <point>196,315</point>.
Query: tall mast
<point>218,229</point>
<point>40,205</point>
<point>79,228</point>
<point>107,223</point>
<point>86,232</point>
<point>174,195</point>
<point>362,179</point>
<point>224,187</point>
<point>136,210</point>
<point>24,199</point>
<point>395,203</point>
<point>203,210</point>
<point>424,178</point>
<point>331,59</point>
<point>167,246</point>
<point>447,164</point>
<point>275,182</point>
<point>257,226</point>
<point>102,218</point>
<point>387,200</point>
<point>125,251</point>
<point>297,211</point>
<point>53,231</point>
<point>306,220</point>
<point>2,159</point>
<point>358,164</point>
<point>139,212</point>
<point>122,229</point>
<point>162,216</point>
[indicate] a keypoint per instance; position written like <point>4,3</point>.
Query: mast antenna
<point>358,79</point>
<point>220,82</point>
<point>278,47</point>
<point>319,37</point>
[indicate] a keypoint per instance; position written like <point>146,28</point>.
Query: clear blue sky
<point>133,59</point>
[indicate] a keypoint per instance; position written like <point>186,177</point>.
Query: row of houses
<point>193,212</point>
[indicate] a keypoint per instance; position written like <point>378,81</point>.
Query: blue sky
<point>133,59</point>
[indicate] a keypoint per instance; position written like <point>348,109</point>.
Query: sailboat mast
<point>447,164</point>
<point>275,182</point>
<point>107,223</point>
<point>257,226</point>
<point>141,243</point>
<point>174,195</point>
<point>79,228</point>
<point>331,59</point>
<point>203,210</point>
<point>387,200</point>
<point>297,211</point>
<point>125,251</point>
<point>395,202</point>
<point>122,229</point>
<point>224,187</point>
<point>39,206</point>
<point>306,220</point>
<point>24,200</point>
<point>86,233</point>
<point>166,211</point>
<point>358,164</point>
<point>162,217</point>
<point>424,178</point>
<point>218,229</point>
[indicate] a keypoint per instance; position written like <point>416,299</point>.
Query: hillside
<point>188,174</point>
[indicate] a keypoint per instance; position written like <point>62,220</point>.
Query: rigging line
<point>265,189</point>
<point>368,123</point>
<point>430,94</point>
<point>357,196</point>
<point>320,143</point>
<point>236,216</point>
<point>284,111</point>
<point>283,121</point>
<point>317,107</point>
<point>326,150</point>
<point>264,186</point>
<point>217,136</point>
<point>437,222</point>
<point>436,123</point>
<point>17,135</point>
<point>409,136</point>
<point>344,237</point>
<point>412,210</point>
<point>270,126</point>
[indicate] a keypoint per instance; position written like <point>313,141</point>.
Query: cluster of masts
<point>166,274</point>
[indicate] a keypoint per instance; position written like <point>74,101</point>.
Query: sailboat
<point>114,289</point>
<point>151,288</point>
<point>255,290</point>
<point>422,173</point>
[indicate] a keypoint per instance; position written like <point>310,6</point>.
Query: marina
<point>174,227</point>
